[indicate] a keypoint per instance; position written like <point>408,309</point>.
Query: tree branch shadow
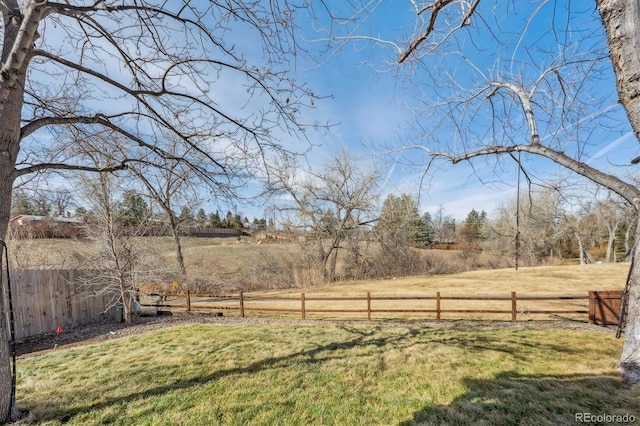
<point>497,389</point>
<point>516,399</point>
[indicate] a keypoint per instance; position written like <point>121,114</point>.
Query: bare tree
<point>330,207</point>
<point>542,95</point>
<point>542,227</point>
<point>113,269</point>
<point>609,215</point>
<point>61,199</point>
<point>169,181</point>
<point>139,69</point>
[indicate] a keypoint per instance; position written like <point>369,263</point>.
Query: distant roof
<point>57,219</point>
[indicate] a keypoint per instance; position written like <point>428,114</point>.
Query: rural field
<point>221,266</point>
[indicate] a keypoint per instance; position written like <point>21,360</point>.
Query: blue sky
<point>371,97</point>
<point>373,103</point>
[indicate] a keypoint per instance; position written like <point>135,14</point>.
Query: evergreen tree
<point>201,217</point>
<point>236,222</point>
<point>186,216</point>
<point>215,221</point>
<point>424,237</point>
<point>473,229</point>
<point>399,223</point>
<point>133,209</point>
<point>24,203</point>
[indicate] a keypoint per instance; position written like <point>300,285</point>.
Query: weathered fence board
<point>604,307</point>
<point>44,299</point>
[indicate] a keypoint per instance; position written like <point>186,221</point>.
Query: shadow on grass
<point>500,398</point>
<point>319,354</point>
<point>514,399</point>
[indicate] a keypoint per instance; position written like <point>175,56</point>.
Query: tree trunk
<point>580,249</point>
<point>12,96</point>
<point>8,153</point>
<point>621,20</point>
<point>176,244</point>
<point>7,395</point>
<point>627,245</point>
<point>332,266</point>
<point>610,241</point>
<point>630,358</point>
<point>590,257</point>
<point>126,299</point>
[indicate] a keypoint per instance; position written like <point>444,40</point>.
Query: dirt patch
<point>85,335</point>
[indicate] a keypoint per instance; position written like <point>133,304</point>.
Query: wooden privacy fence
<point>44,299</point>
<point>384,306</point>
<point>604,307</point>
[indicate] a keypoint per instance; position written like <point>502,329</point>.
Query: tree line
<point>134,209</point>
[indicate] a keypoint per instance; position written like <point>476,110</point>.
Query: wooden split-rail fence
<point>46,299</point>
<point>436,307</point>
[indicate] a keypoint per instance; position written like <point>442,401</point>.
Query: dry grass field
<point>225,266</point>
<point>563,279</point>
<point>568,280</point>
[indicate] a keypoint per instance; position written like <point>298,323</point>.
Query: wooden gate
<point>604,307</point>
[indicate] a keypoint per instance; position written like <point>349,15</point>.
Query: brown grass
<point>570,280</point>
<point>225,266</point>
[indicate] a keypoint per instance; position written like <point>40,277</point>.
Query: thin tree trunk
<point>610,242</point>
<point>332,267</point>
<point>580,248</point>
<point>627,244</point>
<point>176,244</point>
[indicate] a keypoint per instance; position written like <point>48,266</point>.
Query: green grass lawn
<point>342,375</point>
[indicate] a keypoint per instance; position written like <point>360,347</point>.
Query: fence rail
<point>371,305</point>
<point>46,299</point>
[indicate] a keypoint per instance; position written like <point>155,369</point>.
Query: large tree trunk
<point>11,98</point>
<point>621,20</point>
<point>627,245</point>
<point>630,358</point>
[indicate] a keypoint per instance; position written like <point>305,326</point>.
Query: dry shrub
<point>386,263</point>
<point>277,270</point>
<point>307,277</point>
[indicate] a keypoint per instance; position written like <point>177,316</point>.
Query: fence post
<point>369,306</point>
<point>242,304</point>
<point>513,306</point>
<point>438,306</point>
<point>188,301</point>
<point>304,313</point>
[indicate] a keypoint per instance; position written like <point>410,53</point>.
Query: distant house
<point>29,226</point>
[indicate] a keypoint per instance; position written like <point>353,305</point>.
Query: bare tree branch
<point>625,190</point>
